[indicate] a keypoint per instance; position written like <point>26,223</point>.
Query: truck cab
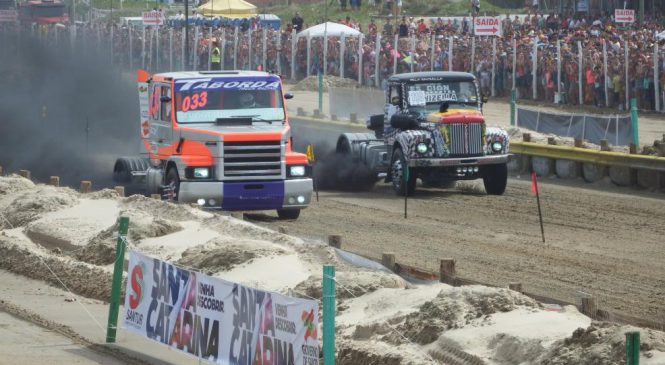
<point>432,129</point>
<point>43,12</point>
<point>218,139</point>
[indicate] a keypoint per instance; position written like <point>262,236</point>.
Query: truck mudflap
<point>463,161</point>
<point>252,195</point>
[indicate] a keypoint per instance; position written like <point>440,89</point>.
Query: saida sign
<point>487,26</point>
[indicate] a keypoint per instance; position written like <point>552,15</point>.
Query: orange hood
<point>457,116</point>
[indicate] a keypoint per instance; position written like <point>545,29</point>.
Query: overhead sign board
<point>153,18</point>
<point>624,15</point>
<point>8,15</point>
<point>487,26</point>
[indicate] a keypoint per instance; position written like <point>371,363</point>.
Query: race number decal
<point>438,93</point>
<point>417,97</point>
<point>194,101</point>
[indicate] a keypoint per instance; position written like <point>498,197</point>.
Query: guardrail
<point>584,155</point>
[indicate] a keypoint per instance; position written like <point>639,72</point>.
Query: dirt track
<point>606,243</point>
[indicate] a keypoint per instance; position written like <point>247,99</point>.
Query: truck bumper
<point>459,161</point>
<point>248,195</point>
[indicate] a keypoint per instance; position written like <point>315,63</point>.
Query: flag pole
<point>534,188</point>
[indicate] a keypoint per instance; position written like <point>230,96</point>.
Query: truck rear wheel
<point>288,213</point>
<point>171,185</point>
<point>397,172</point>
<point>122,174</point>
<point>495,178</point>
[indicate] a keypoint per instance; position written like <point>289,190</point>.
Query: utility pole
<point>186,60</point>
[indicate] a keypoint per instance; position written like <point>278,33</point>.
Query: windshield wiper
<point>256,117</point>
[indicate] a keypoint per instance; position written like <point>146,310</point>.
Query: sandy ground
<point>606,243</point>
<point>381,317</point>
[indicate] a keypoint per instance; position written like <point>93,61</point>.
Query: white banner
<point>216,320</point>
<point>624,15</point>
<point>487,26</point>
<point>153,18</point>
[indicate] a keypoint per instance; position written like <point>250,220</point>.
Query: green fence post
<point>633,122</point>
<point>320,93</point>
<point>632,348</point>
<point>329,315</point>
<point>114,305</point>
<point>512,106</point>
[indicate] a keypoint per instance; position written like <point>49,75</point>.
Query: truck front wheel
<point>288,213</point>
<point>397,170</point>
<point>171,185</point>
<point>495,178</point>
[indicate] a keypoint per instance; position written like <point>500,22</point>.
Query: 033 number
<point>194,101</point>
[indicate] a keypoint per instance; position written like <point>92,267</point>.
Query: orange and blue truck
<point>218,139</point>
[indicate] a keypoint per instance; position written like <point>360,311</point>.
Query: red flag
<point>534,183</point>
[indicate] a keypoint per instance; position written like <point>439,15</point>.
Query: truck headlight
<point>201,172</point>
<point>497,146</point>
<point>421,148</point>
<point>297,170</point>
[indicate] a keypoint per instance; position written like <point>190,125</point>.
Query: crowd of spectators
<point>430,44</point>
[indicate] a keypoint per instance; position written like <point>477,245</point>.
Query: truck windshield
<point>206,101</point>
<point>54,10</point>
<point>428,96</point>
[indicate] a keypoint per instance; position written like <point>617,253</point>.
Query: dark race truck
<point>433,129</point>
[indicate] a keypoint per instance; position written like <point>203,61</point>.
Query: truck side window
<point>395,95</point>
<point>155,93</point>
<point>166,107</point>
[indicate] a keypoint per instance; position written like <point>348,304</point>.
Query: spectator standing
<point>216,57</point>
<point>403,28</point>
<point>297,22</point>
<point>388,28</point>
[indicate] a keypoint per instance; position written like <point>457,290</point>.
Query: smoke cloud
<point>64,112</point>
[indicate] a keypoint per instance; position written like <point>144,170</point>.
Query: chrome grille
<point>255,159</point>
<point>466,139</point>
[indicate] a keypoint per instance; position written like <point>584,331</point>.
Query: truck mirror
<point>484,99</point>
<point>165,99</point>
<point>288,96</point>
<point>395,100</point>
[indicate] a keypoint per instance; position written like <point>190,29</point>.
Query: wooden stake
<point>516,287</point>
<point>579,143</point>
<point>335,241</point>
<point>604,145</point>
<point>447,271</point>
<point>24,173</point>
<point>526,137</point>
<point>388,260</point>
<point>86,187</point>
<point>55,181</point>
<point>156,196</point>
<point>589,307</point>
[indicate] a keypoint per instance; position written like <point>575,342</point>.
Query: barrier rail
<point>653,163</point>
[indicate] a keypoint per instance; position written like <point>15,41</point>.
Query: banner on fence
<point>624,15</point>
<point>153,18</point>
<point>216,320</point>
<point>8,15</point>
<point>487,26</point>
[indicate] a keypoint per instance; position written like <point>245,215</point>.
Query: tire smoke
<point>64,112</point>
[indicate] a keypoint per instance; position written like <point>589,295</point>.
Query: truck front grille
<point>257,160</point>
<point>466,139</point>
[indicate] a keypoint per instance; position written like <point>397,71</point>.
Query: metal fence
<point>603,74</point>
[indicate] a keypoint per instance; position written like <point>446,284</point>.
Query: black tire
<point>288,213</point>
<point>121,173</point>
<point>171,188</point>
<point>396,170</point>
<point>495,178</point>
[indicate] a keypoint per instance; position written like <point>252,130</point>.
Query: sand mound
<point>455,309</point>
<point>312,83</point>
<point>377,353</point>
<point>103,194</point>
<point>224,254</point>
<point>159,208</point>
<point>600,344</point>
<point>512,350</point>
<point>80,278</point>
<point>100,250</point>
<point>30,205</point>
<point>13,184</point>
<point>350,284</point>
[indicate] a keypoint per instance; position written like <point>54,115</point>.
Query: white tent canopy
<point>660,36</point>
<point>334,30</point>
